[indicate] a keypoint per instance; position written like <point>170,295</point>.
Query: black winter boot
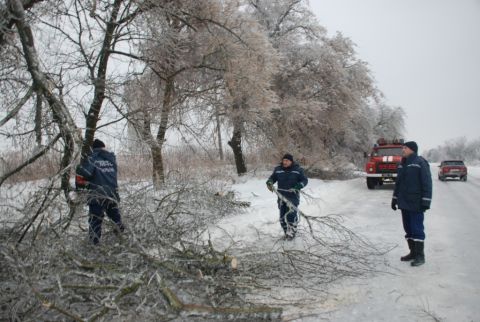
<point>410,255</point>
<point>419,254</point>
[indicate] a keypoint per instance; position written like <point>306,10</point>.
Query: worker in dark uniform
<point>100,170</point>
<point>290,178</point>
<point>413,196</point>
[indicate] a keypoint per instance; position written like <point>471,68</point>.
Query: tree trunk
<point>158,169</point>
<point>219,134</point>
<point>236,145</point>
<point>38,118</point>
<point>100,81</point>
<point>67,158</point>
<point>61,114</point>
<point>158,176</point>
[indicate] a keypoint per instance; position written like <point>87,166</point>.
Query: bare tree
<point>45,88</point>
<point>175,54</point>
<point>250,63</point>
<point>97,32</point>
<point>78,39</point>
<point>229,57</point>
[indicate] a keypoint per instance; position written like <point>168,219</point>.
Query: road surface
<point>446,288</point>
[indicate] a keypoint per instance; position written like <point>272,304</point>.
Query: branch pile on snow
<point>163,266</point>
<point>160,268</point>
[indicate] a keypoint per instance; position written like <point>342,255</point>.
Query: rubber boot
<point>419,254</point>
<point>410,256</point>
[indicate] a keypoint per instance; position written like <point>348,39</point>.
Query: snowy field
<point>446,288</point>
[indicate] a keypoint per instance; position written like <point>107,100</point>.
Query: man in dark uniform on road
<point>290,178</point>
<point>413,196</point>
<point>100,170</point>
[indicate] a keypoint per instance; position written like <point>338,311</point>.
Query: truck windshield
<point>383,152</point>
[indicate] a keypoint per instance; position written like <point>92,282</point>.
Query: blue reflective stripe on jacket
<point>287,178</point>
<point>100,170</point>
<point>413,186</point>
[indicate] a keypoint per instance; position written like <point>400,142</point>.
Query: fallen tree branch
<point>52,306</point>
<point>292,206</point>
<point>39,211</point>
<point>263,312</point>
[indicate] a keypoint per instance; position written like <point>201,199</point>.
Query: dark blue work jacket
<point>288,178</point>
<point>100,170</point>
<point>413,186</point>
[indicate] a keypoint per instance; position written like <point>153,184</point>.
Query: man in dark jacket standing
<point>100,170</point>
<point>291,178</point>
<point>413,195</point>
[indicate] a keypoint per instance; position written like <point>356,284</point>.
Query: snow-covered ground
<point>446,288</point>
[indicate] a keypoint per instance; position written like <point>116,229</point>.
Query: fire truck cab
<point>381,166</point>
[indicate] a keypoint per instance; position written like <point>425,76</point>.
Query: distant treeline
<point>459,149</point>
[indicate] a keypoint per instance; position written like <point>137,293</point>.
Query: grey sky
<point>424,55</point>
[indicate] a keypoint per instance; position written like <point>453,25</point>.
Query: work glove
<point>270,185</point>
<point>394,204</point>
<point>425,205</point>
<point>297,187</point>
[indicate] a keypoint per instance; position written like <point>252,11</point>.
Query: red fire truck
<point>382,163</point>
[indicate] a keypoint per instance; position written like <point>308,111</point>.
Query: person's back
<point>100,170</point>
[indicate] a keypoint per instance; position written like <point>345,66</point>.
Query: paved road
<point>447,287</point>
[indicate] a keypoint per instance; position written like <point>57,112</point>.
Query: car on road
<point>452,169</point>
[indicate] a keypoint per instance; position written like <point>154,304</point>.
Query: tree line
<point>455,149</point>
<point>254,75</point>
<point>263,73</point>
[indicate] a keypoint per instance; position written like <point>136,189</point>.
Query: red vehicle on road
<point>382,162</point>
<point>452,169</point>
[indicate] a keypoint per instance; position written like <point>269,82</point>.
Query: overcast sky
<point>424,55</point>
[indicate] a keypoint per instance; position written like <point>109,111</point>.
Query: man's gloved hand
<point>297,187</point>
<point>394,204</point>
<point>270,185</point>
<point>425,208</point>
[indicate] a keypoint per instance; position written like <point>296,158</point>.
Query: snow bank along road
<point>446,288</point>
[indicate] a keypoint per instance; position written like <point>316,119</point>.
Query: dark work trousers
<point>97,210</point>
<point>413,225</point>
<point>288,217</point>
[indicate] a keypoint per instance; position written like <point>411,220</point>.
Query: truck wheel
<point>371,183</point>
<point>441,178</point>
<point>464,178</point>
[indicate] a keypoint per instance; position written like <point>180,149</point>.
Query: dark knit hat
<point>288,156</point>
<point>412,145</point>
<point>97,144</point>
